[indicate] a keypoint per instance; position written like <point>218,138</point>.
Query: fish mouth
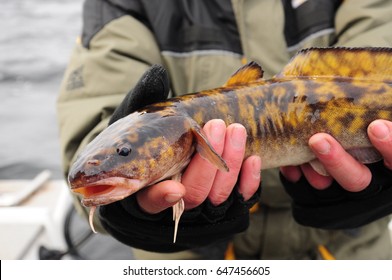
<point>107,190</point>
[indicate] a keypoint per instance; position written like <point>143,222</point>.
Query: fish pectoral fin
<point>318,167</point>
<point>250,72</point>
<point>365,155</point>
<point>205,149</point>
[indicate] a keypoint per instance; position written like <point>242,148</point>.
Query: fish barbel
<point>338,91</point>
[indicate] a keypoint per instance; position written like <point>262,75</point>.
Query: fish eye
<point>123,151</point>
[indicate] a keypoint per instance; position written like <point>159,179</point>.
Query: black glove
<point>205,224</point>
<point>201,226</point>
<point>152,87</point>
<point>336,208</point>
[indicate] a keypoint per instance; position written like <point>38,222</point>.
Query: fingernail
<point>320,146</point>
<point>380,130</point>
<point>173,197</point>
<point>217,132</point>
<point>237,136</point>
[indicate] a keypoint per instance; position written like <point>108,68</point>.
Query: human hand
<point>352,175</point>
<point>201,180</point>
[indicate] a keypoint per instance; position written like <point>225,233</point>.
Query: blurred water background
<point>36,39</point>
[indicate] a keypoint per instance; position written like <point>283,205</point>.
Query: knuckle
<point>357,183</point>
<point>194,197</point>
<point>219,198</point>
<point>334,161</point>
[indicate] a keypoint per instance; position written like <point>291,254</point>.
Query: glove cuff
<point>336,208</point>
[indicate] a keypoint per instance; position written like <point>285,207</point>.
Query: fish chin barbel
<point>339,91</point>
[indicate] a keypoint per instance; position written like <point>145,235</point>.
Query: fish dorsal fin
<point>361,63</point>
<point>250,72</point>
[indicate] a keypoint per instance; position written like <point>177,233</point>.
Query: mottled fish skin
<point>339,91</point>
<point>281,115</point>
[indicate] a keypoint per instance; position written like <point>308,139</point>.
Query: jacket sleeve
<point>115,50</point>
<point>364,23</point>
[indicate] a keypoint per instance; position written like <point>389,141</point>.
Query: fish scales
<point>339,91</point>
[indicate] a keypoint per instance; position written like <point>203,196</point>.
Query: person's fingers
<point>294,173</point>
<point>200,174</point>
<point>250,177</point>
<point>233,154</point>
<point>291,173</point>
<point>318,181</point>
<point>160,196</point>
<point>380,134</point>
<point>347,171</point>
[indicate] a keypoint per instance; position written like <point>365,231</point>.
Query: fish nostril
<point>123,151</point>
<point>94,162</point>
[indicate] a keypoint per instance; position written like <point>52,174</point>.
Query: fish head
<point>132,153</point>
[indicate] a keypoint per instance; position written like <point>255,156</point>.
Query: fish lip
<point>114,189</point>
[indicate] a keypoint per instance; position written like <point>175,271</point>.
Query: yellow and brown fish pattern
<point>339,91</point>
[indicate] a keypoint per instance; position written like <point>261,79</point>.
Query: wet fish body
<point>339,91</point>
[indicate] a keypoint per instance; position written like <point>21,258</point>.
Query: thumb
<point>161,196</point>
